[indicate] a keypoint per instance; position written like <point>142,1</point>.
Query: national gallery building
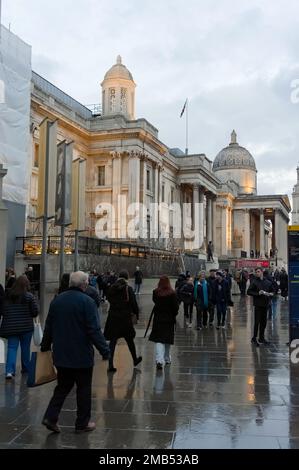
<point>124,157</point>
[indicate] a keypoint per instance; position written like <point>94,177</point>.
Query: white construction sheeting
<point>15,90</point>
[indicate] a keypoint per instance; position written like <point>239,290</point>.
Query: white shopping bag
<point>37,334</point>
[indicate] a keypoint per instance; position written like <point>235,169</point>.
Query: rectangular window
<point>101,176</point>
<point>36,156</point>
<point>163,192</point>
<point>148,180</point>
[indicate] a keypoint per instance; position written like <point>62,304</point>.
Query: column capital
<point>116,155</point>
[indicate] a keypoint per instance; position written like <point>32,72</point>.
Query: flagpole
<point>187,126</point>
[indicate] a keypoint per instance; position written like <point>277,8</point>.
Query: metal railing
<point>96,109</point>
<point>32,246</point>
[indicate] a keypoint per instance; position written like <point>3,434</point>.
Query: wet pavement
<point>219,392</point>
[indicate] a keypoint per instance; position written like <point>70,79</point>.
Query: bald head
<point>79,280</point>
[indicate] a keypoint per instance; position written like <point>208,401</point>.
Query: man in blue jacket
<point>72,327</point>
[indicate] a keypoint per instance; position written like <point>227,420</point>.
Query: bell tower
<point>118,91</point>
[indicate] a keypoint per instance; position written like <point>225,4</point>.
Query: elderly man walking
<point>73,328</point>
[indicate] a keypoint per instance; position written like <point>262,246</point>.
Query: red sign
<point>252,263</point>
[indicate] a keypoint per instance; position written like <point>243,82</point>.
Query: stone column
<point>3,229</point>
<point>224,226</point>
<point>155,210</point>
<point>262,234</point>
<point>195,205</point>
<point>277,232</point>
<point>214,225</point>
<point>247,233</point>
<point>209,219</point>
<point>201,217</point>
<point>116,192</point>
<point>143,213</point>
<point>134,181</point>
<point>134,178</point>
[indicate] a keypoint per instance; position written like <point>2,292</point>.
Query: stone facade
<point>126,158</point>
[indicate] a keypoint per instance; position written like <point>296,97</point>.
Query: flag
<point>183,110</point>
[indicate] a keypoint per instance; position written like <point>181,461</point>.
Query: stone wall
<point>151,267</point>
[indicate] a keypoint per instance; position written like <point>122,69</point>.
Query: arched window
<point>112,100</point>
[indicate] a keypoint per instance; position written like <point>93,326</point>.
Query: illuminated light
<point>56,252</point>
<point>250,380</point>
<point>251,397</point>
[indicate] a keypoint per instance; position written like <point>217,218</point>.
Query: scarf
<point>205,293</point>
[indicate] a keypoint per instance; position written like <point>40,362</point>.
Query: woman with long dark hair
<point>165,312</point>
<point>17,311</point>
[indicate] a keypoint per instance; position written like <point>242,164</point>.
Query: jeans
<point>66,379</point>
<point>12,349</point>
<point>163,353</point>
<point>221,313</point>
<point>137,288</point>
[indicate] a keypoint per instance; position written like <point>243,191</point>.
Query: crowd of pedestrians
<point>76,309</point>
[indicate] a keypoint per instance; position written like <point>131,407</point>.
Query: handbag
<point>37,333</point>
<point>41,369</point>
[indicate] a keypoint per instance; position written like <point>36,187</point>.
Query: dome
<point>118,70</point>
<point>234,157</point>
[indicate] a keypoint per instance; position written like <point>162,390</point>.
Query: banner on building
<point>78,194</point>
<point>47,169</point>
<point>63,204</point>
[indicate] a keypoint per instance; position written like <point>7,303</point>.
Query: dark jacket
<point>186,293</point>
<point>17,318</point>
<point>123,304</point>
<point>72,327</point>
<point>138,277</point>
<point>93,294</point>
<point>284,284</point>
<point>199,302</point>
<point>255,287</point>
<point>221,292</point>
<point>165,312</point>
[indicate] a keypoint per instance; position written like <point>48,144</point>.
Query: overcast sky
<point>234,60</point>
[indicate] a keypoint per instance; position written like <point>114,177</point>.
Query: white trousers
<point>163,353</point>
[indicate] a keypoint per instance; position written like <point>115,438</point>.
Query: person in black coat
<point>72,327</point>
<point>186,294</point>
<point>221,298</point>
<point>165,312</point>
<point>202,297</point>
<point>138,280</point>
<point>284,283</point>
<point>119,323</point>
<point>261,289</point>
<point>17,310</point>
<point>211,281</point>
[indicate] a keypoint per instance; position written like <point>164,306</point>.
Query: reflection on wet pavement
<point>219,392</point>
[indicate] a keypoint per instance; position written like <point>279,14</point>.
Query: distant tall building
<point>295,196</point>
